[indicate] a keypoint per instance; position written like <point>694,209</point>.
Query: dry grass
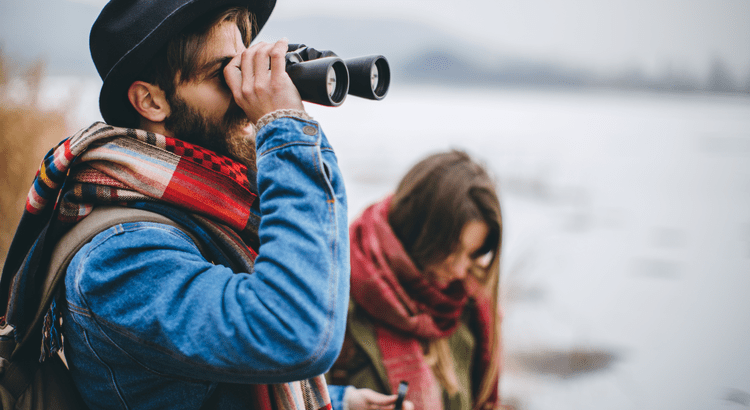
<point>26,134</point>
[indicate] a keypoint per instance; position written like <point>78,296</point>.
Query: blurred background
<point>618,132</point>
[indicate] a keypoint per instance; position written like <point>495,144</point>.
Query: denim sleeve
<point>152,294</point>
<point>336,393</point>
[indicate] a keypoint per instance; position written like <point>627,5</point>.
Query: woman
<point>424,289</point>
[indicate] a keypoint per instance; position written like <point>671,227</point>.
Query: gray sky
<point>653,35</point>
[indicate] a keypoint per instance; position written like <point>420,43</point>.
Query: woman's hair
<point>431,205</point>
<point>436,199</point>
<point>179,60</point>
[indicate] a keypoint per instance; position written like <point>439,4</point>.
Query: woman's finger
<point>378,398</point>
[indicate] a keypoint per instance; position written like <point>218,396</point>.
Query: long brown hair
<point>431,205</point>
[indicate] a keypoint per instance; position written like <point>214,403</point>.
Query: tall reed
<point>27,132</point>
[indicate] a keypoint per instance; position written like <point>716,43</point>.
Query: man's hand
<point>366,399</point>
<point>258,80</point>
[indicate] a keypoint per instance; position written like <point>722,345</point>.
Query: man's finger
<point>246,64</point>
<point>233,74</point>
<point>261,60</point>
<point>278,52</point>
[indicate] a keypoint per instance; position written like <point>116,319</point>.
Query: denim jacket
<point>151,324</point>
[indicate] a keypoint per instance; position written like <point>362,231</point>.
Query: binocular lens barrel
<point>327,80</point>
<point>323,81</point>
<point>370,77</point>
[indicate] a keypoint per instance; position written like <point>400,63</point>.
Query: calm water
<point>626,259</point>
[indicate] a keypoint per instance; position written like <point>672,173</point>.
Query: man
<point>237,301</point>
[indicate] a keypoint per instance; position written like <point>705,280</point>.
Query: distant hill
<point>396,39</point>
<point>57,32</point>
<point>421,53</point>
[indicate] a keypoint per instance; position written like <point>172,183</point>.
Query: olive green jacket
<point>360,363</point>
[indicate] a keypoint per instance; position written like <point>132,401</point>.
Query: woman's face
<point>458,265</point>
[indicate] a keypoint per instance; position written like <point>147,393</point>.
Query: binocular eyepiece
<point>323,78</point>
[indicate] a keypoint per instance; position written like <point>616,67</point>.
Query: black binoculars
<point>323,78</point>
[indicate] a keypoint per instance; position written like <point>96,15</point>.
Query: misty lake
<point>626,251</point>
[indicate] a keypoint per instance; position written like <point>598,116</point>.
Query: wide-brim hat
<point>128,34</point>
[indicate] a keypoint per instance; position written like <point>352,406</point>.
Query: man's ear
<point>149,100</point>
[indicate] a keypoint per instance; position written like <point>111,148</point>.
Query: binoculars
<point>321,77</point>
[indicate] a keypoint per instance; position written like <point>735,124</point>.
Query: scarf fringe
<point>51,332</point>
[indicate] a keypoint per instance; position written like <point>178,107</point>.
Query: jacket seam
<point>287,144</point>
<point>110,372</point>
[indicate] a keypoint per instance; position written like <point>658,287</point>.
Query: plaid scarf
<point>211,195</point>
<point>407,309</point>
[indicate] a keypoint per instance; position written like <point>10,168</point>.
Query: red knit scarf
<point>407,308</point>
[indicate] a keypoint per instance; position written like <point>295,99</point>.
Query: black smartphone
<point>402,388</point>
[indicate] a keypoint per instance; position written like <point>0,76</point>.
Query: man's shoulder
<point>115,236</point>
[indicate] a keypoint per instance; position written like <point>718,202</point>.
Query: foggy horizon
<point>656,39</point>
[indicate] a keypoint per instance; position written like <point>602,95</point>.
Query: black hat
<point>128,34</point>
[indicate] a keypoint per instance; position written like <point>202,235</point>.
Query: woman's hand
<point>258,80</point>
<point>366,399</point>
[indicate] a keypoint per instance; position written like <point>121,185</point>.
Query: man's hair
<point>179,60</point>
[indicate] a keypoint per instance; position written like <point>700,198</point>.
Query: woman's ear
<point>149,100</point>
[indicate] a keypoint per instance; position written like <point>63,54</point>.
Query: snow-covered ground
<point>626,259</point>
<point>626,264</point>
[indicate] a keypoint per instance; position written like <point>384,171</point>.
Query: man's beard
<point>225,137</point>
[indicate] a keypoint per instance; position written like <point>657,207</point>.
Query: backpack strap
<point>100,219</point>
<point>18,369</point>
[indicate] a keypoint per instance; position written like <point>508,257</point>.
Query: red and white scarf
<point>407,308</point>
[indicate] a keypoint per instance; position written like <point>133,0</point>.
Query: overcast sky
<point>653,35</point>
